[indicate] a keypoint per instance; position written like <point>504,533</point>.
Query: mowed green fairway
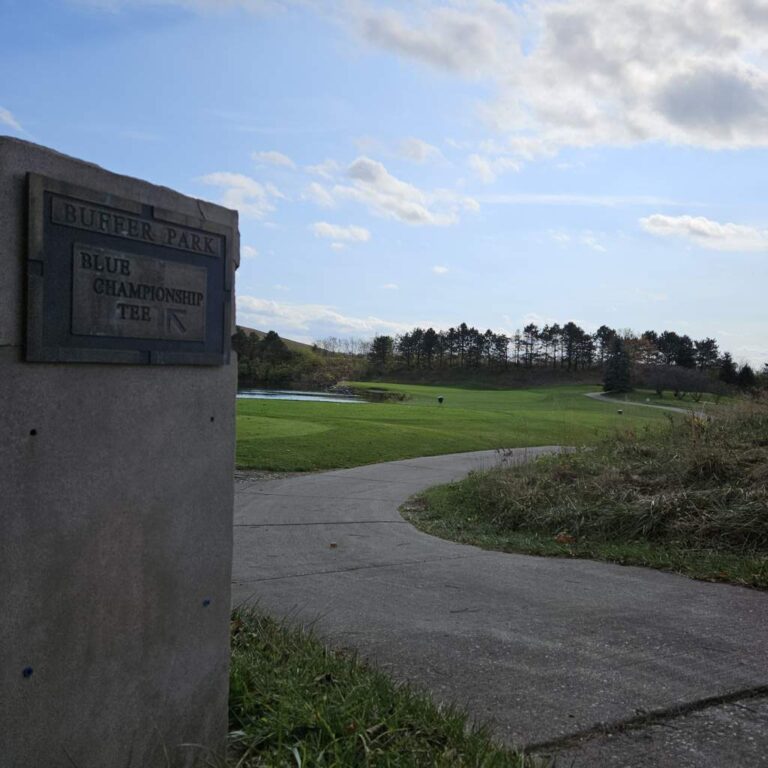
<point>285,435</point>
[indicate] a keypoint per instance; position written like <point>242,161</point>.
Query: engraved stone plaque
<point>116,280</point>
<point>120,294</point>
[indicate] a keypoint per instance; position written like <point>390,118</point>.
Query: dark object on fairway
<point>440,399</point>
<point>619,411</point>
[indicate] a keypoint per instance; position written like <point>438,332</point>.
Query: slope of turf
<point>286,435</point>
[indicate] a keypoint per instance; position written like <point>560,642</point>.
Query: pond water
<point>292,394</point>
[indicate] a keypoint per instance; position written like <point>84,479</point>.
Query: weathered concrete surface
<point>540,648</point>
<point>115,548</point>
<point>724,735</point>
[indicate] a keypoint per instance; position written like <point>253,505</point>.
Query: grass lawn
<point>691,497</point>
<point>295,702</point>
<point>284,435</point>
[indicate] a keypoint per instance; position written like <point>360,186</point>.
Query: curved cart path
<point>543,649</point>
<point>604,397</point>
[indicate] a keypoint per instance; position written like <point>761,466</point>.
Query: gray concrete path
<point>546,650</point>
<point>604,397</point>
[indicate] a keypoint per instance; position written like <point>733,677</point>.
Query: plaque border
<point>36,348</point>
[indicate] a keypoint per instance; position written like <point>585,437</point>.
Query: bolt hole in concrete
<point>33,432</point>
<point>26,672</point>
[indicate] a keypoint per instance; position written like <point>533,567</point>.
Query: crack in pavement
<point>323,522</point>
<point>645,719</point>
<point>397,564</point>
<point>322,498</point>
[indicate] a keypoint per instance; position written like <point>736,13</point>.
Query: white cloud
<point>249,252</point>
<point>247,195</point>
<point>349,234</point>
<point>327,169</point>
<point>590,240</point>
<point>391,286</point>
<point>7,118</point>
<point>273,158</point>
<point>438,270</point>
<point>536,319</point>
<point>471,38</point>
<point>419,151</point>
<point>707,233</point>
<point>599,201</point>
<point>586,237</point>
<point>487,169</point>
<point>388,196</point>
<point>319,195</point>
<point>264,313</point>
<point>589,72</point>
<point>192,5</point>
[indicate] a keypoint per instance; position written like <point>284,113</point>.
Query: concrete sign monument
<point>139,284</point>
<point>117,397</point>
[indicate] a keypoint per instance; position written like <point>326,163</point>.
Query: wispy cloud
<point>273,157</point>
<point>7,118</point>
<point>250,197</point>
<point>319,318</point>
<point>605,201</point>
<point>585,237</point>
<point>419,151</point>
<point>249,252</point>
<point>327,169</point>
<point>257,6</point>
<point>348,234</point>
<point>386,195</point>
<point>319,195</point>
<point>439,270</point>
<point>591,241</point>
<point>474,39</point>
<point>488,169</point>
<point>707,233</point>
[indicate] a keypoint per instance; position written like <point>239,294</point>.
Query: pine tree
<point>617,370</point>
<point>728,372</point>
<point>381,351</point>
<point>746,378</point>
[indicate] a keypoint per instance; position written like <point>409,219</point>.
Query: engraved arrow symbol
<point>172,317</point>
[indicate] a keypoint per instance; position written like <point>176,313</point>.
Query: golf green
<point>285,435</point>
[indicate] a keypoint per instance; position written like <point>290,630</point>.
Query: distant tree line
<point>338,345</point>
<point>667,360</point>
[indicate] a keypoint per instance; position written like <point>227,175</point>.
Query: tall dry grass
<point>696,482</point>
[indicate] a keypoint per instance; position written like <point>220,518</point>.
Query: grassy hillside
<point>296,346</point>
<point>300,436</point>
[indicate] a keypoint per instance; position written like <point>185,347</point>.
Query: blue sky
<point>423,163</point>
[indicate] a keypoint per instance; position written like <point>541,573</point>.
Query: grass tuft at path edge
<point>296,702</point>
